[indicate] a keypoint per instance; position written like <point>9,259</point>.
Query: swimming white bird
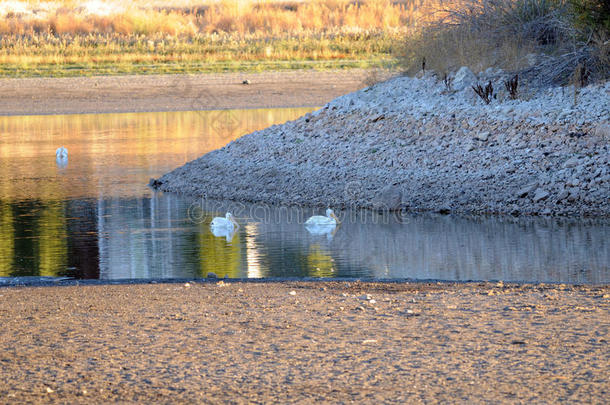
<point>226,233</point>
<point>61,153</point>
<point>322,230</point>
<point>228,222</point>
<point>329,220</point>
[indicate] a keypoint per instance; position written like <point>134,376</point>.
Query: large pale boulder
<point>463,78</point>
<point>388,198</point>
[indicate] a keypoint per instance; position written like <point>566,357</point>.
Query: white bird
<point>329,220</point>
<point>228,222</point>
<point>321,230</point>
<point>61,153</point>
<point>226,233</point>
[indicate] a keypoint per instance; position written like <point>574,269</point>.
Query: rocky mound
<point>424,144</point>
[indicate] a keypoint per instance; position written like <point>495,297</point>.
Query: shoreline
<point>180,92</point>
<point>31,282</point>
<point>305,342</point>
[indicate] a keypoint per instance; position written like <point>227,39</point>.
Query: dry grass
<point>489,33</point>
<point>503,33</point>
<point>68,37</point>
<point>243,17</point>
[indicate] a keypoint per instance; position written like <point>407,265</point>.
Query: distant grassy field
<point>68,38</point>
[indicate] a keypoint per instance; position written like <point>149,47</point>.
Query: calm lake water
<point>94,217</point>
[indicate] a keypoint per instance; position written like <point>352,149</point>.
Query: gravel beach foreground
<point>305,342</point>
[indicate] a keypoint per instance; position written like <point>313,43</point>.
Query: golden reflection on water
<point>114,154</point>
<point>111,157</point>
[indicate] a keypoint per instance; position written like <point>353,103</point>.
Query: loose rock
<point>464,78</point>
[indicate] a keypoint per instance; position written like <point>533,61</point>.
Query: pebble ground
<point>305,342</point>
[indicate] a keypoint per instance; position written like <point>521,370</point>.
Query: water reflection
<point>53,211</point>
<point>96,218</point>
<point>113,154</point>
<point>154,237</point>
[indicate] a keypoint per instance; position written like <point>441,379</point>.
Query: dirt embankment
<point>305,342</point>
<point>108,94</point>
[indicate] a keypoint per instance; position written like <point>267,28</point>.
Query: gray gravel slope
<point>414,144</point>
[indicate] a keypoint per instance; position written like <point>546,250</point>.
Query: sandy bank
<point>329,342</point>
<point>416,144</point>
<point>108,94</point>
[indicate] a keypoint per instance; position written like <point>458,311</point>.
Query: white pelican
<point>329,220</point>
<point>226,233</point>
<point>61,153</point>
<point>228,222</point>
<point>321,230</point>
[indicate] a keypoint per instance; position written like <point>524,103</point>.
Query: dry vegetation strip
<point>68,37</point>
<point>65,37</point>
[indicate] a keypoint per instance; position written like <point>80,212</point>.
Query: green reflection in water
<point>320,263</point>
<point>33,239</point>
<point>7,240</point>
<point>219,256</point>
<point>52,241</point>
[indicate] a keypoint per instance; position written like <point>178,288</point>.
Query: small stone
<point>366,297</point>
<point>187,285</point>
<point>368,341</point>
<point>246,82</point>
<point>292,292</point>
<point>574,195</point>
<point>444,209</point>
<point>527,189</point>
<point>212,275</point>
<point>482,136</point>
<point>602,131</point>
<point>49,390</point>
<point>372,302</point>
<point>573,182</point>
<point>379,117</point>
<point>532,59</point>
<point>540,195</point>
<point>572,162</point>
<point>563,194</point>
<point>154,183</point>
